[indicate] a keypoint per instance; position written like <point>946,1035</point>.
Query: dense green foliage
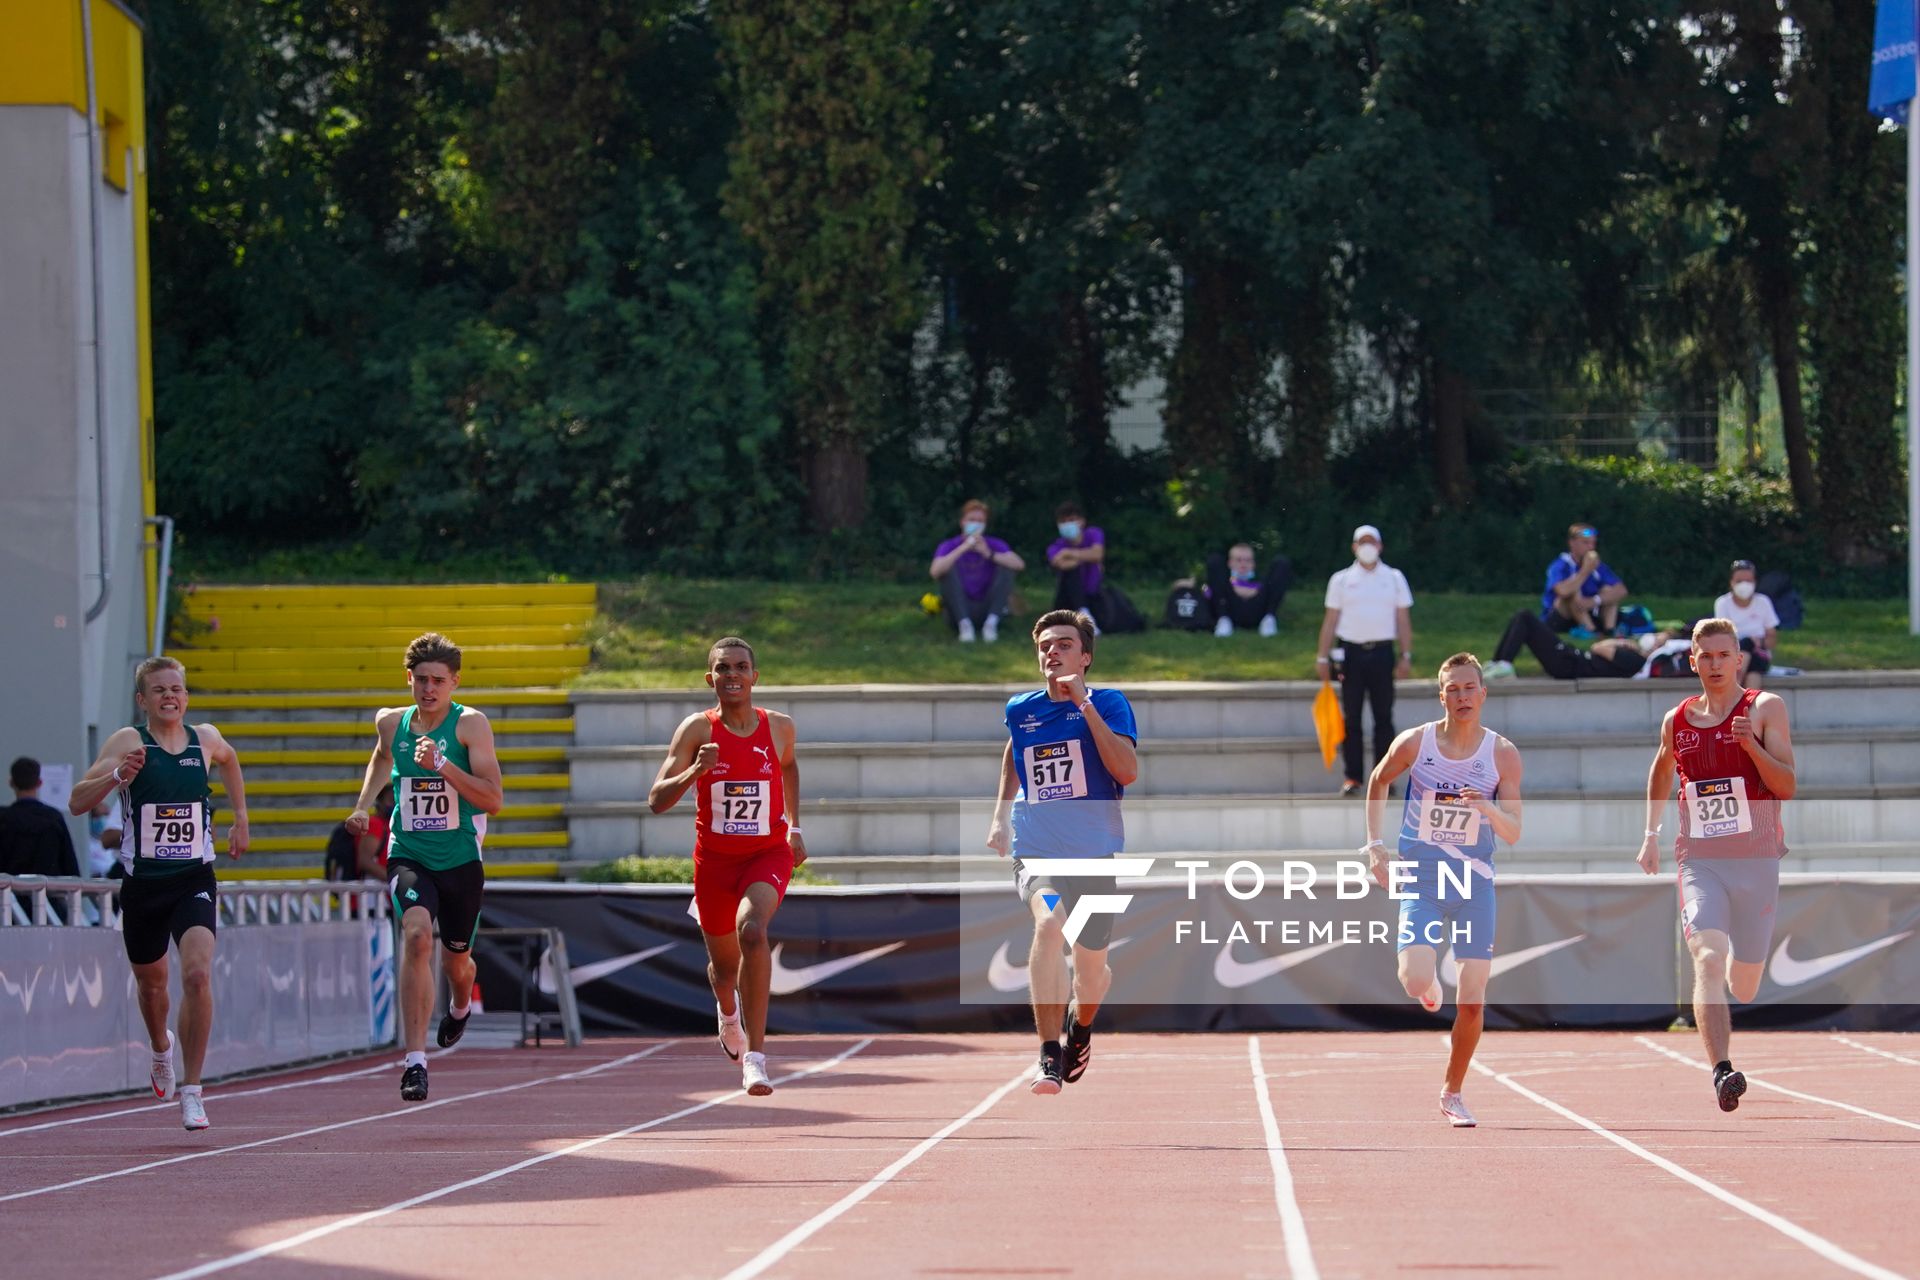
<point>605,285</point>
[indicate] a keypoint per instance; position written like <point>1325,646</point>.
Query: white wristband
<point>1654,832</point>
<point>116,776</point>
<point>1373,844</point>
<point>795,831</point>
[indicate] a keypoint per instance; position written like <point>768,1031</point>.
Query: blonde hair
<point>151,665</point>
<point>1714,627</point>
<point>1462,659</point>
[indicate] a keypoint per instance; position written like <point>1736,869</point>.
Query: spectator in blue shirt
<point>1583,595</point>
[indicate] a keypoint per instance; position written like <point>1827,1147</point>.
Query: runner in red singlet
<point>747,842</point>
<point>1733,753</point>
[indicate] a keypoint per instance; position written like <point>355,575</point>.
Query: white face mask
<point>1367,554</point>
<point>1743,591</point>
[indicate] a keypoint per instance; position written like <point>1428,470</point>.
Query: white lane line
<point>1792,1230</point>
<point>1780,1088</point>
<point>786,1244</point>
<point>220,1094</point>
<point>1855,1044</point>
<point>343,1224</point>
<point>1293,1224</point>
<point>411,1109</point>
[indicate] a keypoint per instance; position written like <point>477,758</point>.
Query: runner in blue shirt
<point>1068,761</point>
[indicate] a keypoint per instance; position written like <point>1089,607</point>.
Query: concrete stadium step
<point>530,787</point>
<point>478,683</point>
<point>1600,762</point>
<point>390,640</point>
<point>305,735</point>
<point>357,756</point>
<point>324,816</point>
<point>316,845</point>
<point>224,708</point>
<point>1522,709</point>
<point>916,825</point>
<point>305,866</point>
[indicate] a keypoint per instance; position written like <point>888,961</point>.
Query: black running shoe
<point>1046,1076</point>
<point>452,1028</point>
<point>1076,1047</point>
<point>413,1083</point>
<point>1727,1088</point>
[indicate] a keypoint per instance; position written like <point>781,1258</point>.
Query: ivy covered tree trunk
<point>1854,332</point>
<point>832,151</point>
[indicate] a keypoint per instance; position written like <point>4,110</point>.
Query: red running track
<point>1285,1155</point>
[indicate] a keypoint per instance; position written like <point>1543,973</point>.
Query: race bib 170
<point>428,804</point>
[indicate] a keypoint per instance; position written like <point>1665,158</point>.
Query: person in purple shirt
<point>1075,558</point>
<point>975,573</point>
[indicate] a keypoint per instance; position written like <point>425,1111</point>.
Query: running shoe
<point>162,1073</point>
<point>1269,626</point>
<point>1047,1079</point>
<point>1727,1087</point>
<point>990,629</point>
<point>1076,1047</point>
<point>733,1036</point>
<point>1499,669</point>
<point>413,1083</point>
<point>753,1075</point>
<point>192,1113</point>
<point>452,1028</point>
<point>1454,1108</point>
<point>1434,998</point>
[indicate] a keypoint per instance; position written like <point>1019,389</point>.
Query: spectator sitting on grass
<point>1239,599</point>
<point>1755,623</point>
<point>975,573</point>
<point>1583,595</point>
<point>1076,557</point>
<point>1608,659</point>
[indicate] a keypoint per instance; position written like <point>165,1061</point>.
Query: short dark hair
<point>731,642</point>
<point>433,647</point>
<point>24,774</point>
<point>1066,509</point>
<point>1081,620</point>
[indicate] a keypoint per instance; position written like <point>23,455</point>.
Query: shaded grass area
<point>654,633</point>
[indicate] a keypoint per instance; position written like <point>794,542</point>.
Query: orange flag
<point>1328,723</point>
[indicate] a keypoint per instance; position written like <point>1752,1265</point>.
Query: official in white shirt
<point>1368,608</point>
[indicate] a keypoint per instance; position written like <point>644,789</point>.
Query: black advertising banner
<point>1572,951</point>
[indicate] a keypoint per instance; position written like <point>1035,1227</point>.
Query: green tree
<point>832,151</point>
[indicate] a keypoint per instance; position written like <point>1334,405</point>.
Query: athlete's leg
<point>1047,968</point>
<point>461,970</point>
<point>1610,598</point>
<point>1419,967</point>
<point>1712,953</point>
<point>155,1003</point>
<point>196,999</point>
<point>723,970</point>
<point>1469,1019</point>
<point>755,959</point>
<point>416,978</point>
<point>1091,982</point>
<point>1743,979</point>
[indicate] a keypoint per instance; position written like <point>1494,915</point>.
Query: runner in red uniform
<point>1733,753</point>
<point>747,842</point>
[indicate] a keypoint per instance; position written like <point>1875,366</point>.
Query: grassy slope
<point>653,633</point>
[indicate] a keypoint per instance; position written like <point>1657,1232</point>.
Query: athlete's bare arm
<point>479,783</point>
<point>221,755</point>
<point>1659,791</point>
<point>1398,760</point>
<point>122,752</point>
<point>1504,817</point>
<point>1117,751</point>
<point>379,766</point>
<point>999,836</point>
<point>692,752</point>
<point>784,738</point>
<point>1769,743</point>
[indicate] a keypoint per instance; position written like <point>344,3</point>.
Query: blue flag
<point>1894,51</point>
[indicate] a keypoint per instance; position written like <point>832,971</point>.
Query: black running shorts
<point>451,897</point>
<point>1097,932</point>
<point>155,908</point>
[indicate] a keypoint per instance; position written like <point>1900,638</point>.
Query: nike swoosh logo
<point>787,981</point>
<point>1229,972</point>
<point>1004,975</point>
<point>1450,968</point>
<point>1788,972</point>
<point>582,974</point>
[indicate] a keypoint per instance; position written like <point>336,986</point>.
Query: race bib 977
<point>1447,818</point>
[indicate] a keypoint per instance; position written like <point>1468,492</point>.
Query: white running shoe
<point>1433,999</point>
<point>1223,628</point>
<point>753,1075</point>
<point>162,1073</point>
<point>1499,670</point>
<point>1454,1108</point>
<point>733,1036</point>
<point>1269,626</point>
<point>990,629</point>
<point>966,631</point>
<point>193,1114</point>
